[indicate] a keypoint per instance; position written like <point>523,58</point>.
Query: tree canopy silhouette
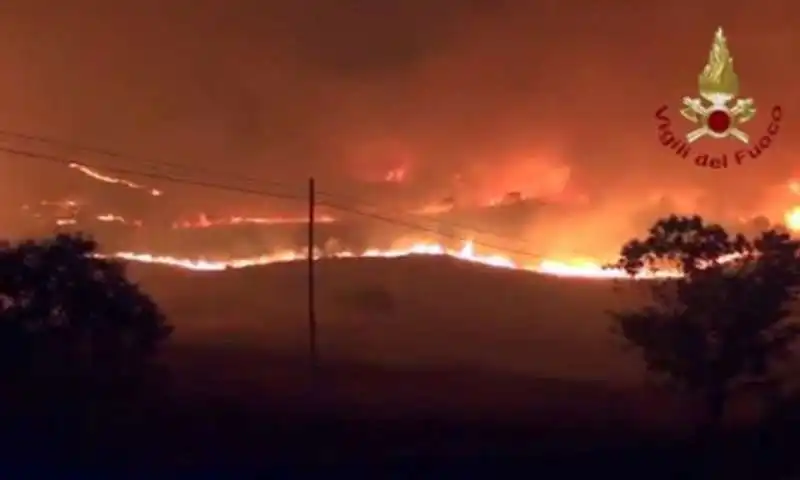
<point>726,321</point>
<point>66,311</point>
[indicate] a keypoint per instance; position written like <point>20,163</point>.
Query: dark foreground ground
<point>423,395</point>
<point>213,417</point>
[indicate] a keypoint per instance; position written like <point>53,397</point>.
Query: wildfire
<point>114,180</point>
<point>792,219</point>
<point>467,253</point>
<point>792,216</point>
<point>111,218</point>
<point>203,221</point>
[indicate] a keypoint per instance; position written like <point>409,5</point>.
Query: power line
<point>158,176</point>
<point>122,156</point>
<point>234,176</point>
<point>266,193</point>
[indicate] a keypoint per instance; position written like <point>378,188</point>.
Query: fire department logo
<point>718,86</point>
<point>718,112</point>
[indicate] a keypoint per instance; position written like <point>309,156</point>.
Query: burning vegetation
<point>72,214</point>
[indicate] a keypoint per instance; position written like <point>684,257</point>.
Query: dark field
<point>429,366</point>
<point>410,312</point>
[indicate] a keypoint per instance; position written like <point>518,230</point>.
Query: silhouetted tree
<point>65,313</point>
<point>726,322</point>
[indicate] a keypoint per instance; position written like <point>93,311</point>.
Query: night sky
<point>549,98</point>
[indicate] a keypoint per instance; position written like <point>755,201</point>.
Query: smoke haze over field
<point>471,98</point>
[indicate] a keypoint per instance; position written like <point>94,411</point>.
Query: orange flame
<point>582,269</point>
<point>792,219</point>
<point>792,216</point>
<point>204,222</point>
<point>113,180</point>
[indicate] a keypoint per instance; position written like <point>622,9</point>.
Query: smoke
<point>471,99</point>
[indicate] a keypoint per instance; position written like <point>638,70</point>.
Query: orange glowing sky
<point>470,99</point>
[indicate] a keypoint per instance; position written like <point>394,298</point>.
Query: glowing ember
<point>396,175</point>
<point>204,222</point>
<point>111,218</point>
<point>114,180</point>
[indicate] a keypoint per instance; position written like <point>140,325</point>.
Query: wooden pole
<point>312,314</point>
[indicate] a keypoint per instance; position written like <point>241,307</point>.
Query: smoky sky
<point>493,95</point>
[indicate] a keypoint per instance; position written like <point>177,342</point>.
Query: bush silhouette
<point>725,324</point>
<point>67,313</point>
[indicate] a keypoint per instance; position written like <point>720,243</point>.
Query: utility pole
<point>312,314</point>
